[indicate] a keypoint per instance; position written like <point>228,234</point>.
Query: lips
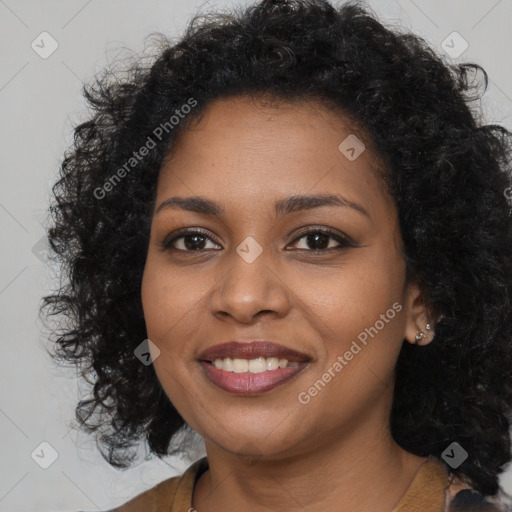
<point>255,379</point>
<point>252,350</point>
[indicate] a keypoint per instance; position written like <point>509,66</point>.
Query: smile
<point>251,367</point>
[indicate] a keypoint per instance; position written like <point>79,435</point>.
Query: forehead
<point>252,150</point>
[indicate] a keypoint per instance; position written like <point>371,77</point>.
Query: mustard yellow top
<point>433,489</point>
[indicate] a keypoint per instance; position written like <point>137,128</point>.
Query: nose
<point>249,290</point>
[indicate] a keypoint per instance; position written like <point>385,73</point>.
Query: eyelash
<point>345,241</point>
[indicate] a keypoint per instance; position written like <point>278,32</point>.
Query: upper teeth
<point>259,365</point>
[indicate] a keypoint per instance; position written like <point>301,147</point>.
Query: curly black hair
<point>447,171</point>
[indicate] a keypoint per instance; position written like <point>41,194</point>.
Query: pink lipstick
<point>250,368</point>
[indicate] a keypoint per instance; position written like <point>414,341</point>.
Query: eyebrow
<point>282,207</point>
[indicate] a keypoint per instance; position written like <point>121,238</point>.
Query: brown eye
<point>319,240</point>
<point>190,240</point>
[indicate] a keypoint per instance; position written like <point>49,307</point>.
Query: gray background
<point>40,101</point>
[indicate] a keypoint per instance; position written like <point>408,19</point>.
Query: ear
<point>418,319</point>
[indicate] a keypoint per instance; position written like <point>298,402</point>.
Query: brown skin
<point>270,452</point>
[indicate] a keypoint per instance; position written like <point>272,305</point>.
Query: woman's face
<point>254,275</point>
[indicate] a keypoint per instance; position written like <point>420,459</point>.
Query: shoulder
<point>169,495</point>
<point>152,500</point>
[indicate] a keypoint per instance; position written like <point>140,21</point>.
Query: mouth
<point>250,368</point>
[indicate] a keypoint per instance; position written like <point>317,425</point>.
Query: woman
<point>291,234</point>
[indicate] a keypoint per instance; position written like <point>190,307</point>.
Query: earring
<point>419,337</point>
<point>420,334</point>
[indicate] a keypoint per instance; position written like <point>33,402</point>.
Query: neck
<point>364,471</point>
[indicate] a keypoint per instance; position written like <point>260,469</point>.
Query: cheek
<point>353,298</point>
<point>362,312</point>
<point>175,307</point>
<point>165,307</point>
<point>168,299</point>
<point>156,301</point>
